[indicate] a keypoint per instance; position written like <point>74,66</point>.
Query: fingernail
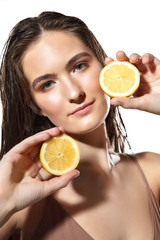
<point>77,174</point>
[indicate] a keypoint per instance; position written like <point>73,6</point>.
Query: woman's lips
<point>83,109</point>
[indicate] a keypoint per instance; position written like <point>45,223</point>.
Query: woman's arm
<point>147,97</point>
<point>19,183</point>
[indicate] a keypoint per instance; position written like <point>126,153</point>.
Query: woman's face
<point>64,79</point>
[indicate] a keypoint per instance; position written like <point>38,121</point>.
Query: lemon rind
<point>56,172</point>
<point>125,94</point>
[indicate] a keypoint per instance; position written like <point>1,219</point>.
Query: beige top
<point>153,205</point>
<point>141,216</point>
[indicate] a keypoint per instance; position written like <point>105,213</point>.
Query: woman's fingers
<point>151,61</point>
<point>142,63</point>
<point>137,61</point>
<point>121,56</point>
<point>31,190</point>
<point>27,145</point>
<point>147,58</point>
<point>147,97</point>
<point>57,183</point>
<point>144,103</point>
<point>108,60</point>
<point>129,103</point>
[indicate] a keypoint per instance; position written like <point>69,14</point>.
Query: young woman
<point>50,83</point>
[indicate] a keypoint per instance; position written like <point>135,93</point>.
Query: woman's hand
<point>20,185</point>
<point>147,97</point>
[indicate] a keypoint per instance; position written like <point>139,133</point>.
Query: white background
<point>129,25</point>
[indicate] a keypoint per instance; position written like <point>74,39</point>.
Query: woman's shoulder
<point>150,164</point>
<point>149,161</point>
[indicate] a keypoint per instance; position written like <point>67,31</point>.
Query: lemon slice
<point>59,154</point>
<point>119,79</point>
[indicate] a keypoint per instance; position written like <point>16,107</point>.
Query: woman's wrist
<point>7,210</point>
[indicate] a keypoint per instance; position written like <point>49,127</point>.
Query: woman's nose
<point>75,92</point>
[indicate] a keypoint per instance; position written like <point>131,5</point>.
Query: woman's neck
<point>93,146</point>
<point>96,138</point>
<point>94,173</point>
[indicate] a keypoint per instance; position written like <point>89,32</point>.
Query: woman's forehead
<point>58,38</point>
<point>51,52</point>
<point>56,43</point>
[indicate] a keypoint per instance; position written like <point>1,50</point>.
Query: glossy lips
<point>83,109</point>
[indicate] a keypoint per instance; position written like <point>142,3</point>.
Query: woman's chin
<point>85,129</point>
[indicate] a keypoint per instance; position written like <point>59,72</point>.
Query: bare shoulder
<point>150,164</point>
<point>149,160</point>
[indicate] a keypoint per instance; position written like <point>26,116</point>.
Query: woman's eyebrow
<point>76,57</point>
<point>69,63</point>
<point>41,78</point>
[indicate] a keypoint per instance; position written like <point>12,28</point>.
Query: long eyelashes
<point>80,66</point>
<point>47,85</point>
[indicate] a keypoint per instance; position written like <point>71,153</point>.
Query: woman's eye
<point>80,66</point>
<point>47,85</point>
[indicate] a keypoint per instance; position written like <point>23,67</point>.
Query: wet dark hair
<point>19,118</point>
